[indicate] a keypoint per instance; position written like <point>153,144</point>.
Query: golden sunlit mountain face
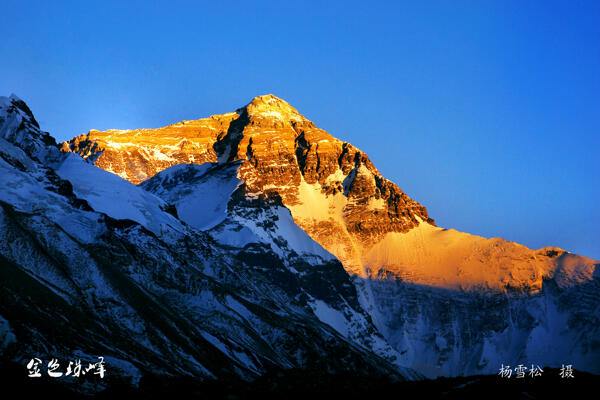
<point>334,193</point>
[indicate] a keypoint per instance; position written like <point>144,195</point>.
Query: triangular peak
<point>271,106</point>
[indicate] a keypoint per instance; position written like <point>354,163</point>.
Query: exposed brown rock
<point>285,154</point>
<point>335,194</point>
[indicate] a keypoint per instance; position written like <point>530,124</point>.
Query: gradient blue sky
<point>488,113</point>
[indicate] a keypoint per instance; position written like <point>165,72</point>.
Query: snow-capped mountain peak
<point>447,302</point>
<point>272,107</point>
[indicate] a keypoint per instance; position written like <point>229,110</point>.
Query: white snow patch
<point>112,195</point>
<point>330,316</point>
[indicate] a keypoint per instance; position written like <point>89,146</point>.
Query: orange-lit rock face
<point>332,188</point>
<point>334,193</point>
<point>450,259</point>
<point>137,155</point>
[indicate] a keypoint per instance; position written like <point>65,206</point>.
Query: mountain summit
<point>334,191</point>
<point>447,302</point>
<point>272,107</point>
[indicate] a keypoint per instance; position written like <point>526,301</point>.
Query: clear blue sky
<point>488,113</point>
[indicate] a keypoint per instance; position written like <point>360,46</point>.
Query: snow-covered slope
<point>200,193</point>
<point>255,225</point>
<point>114,196</point>
<point>446,258</point>
<point>458,304</point>
<point>452,332</point>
